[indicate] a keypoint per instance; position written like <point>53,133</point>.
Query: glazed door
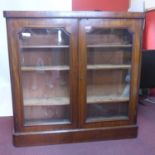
<point>46,74</point>
<point>108,72</point>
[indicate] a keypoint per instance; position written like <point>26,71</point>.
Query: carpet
<point>144,144</point>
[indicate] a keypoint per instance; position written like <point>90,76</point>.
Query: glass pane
<point>108,73</point>
<point>108,36</point>
<point>44,58</point>
<point>98,111</point>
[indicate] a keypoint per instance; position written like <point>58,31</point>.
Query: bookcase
<point>74,75</point>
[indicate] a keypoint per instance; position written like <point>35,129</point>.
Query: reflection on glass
<point>108,73</point>
<point>45,75</point>
<point>43,36</point>
<point>107,84</point>
<point>100,111</point>
<point>108,36</point>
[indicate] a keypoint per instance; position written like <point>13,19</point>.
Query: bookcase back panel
<point>45,57</point>
<point>116,56</point>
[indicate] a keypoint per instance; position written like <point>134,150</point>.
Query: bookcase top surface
<point>72,14</point>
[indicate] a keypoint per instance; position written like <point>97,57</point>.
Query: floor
<point>144,144</point>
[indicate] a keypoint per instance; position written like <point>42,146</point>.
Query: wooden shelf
<point>45,68</point>
<point>67,46</point>
<point>97,67</point>
<point>65,68</point>
<point>98,119</point>
<point>46,122</point>
<point>47,101</point>
<point>107,93</point>
<point>106,99</point>
<point>110,46</point>
<point>43,46</point>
